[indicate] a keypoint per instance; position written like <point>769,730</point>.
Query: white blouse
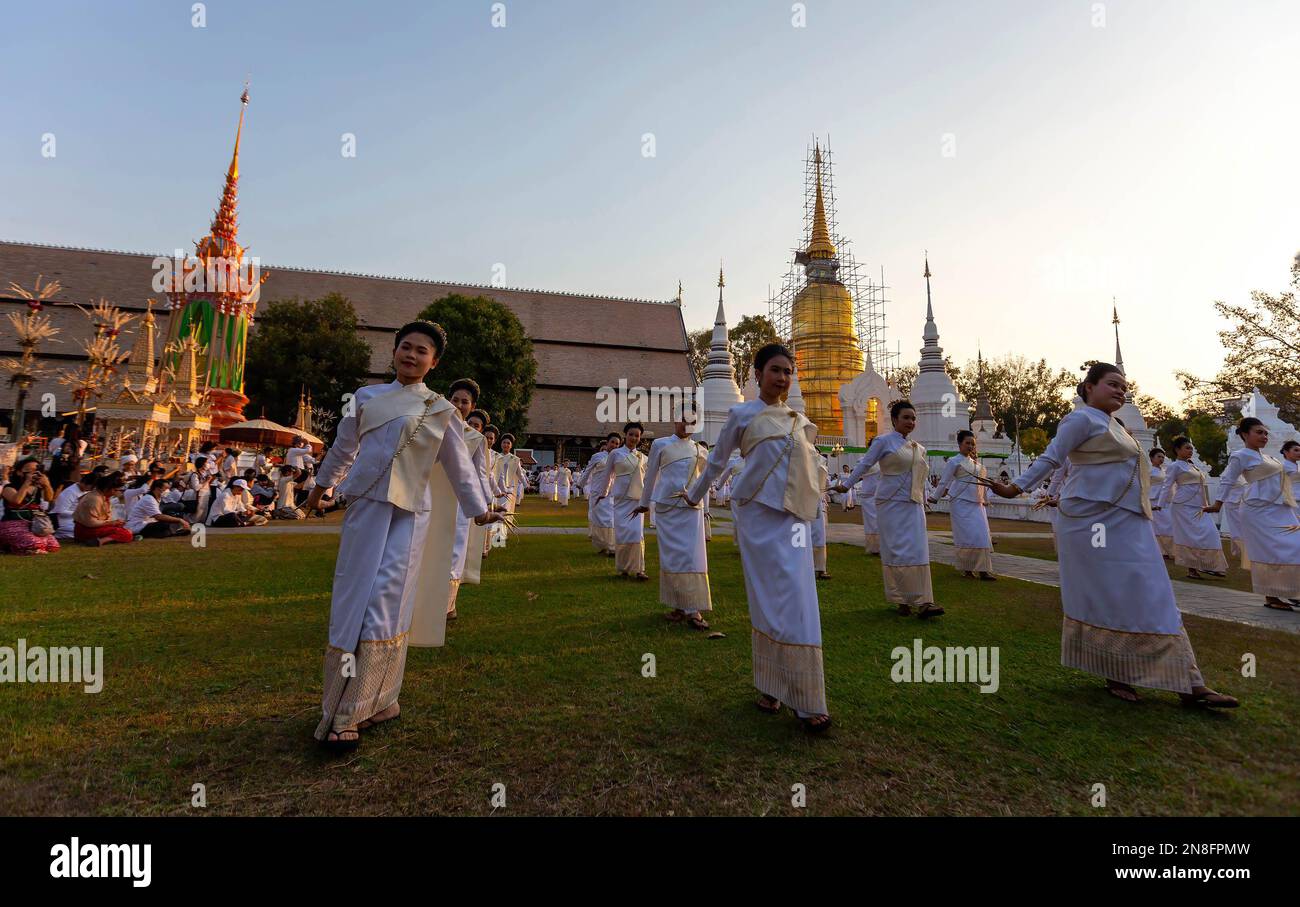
<point>1109,483</point>
<point>1264,491</point>
<point>888,488</point>
<point>764,472</point>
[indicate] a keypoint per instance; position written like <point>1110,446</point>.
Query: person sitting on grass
<point>232,508</point>
<point>93,517</point>
<point>146,518</point>
<point>286,497</point>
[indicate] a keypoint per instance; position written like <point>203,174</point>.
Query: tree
<point>749,335</point>
<point>311,343</point>
<point>1210,440</point>
<point>486,342</point>
<point>1033,441</point>
<point>697,349</point>
<point>1022,393</point>
<point>1262,347</point>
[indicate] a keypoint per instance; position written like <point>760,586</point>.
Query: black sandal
<point>818,727</point>
<point>932,610</point>
<point>1209,700</point>
<point>697,623</point>
<point>769,704</point>
<point>339,745</point>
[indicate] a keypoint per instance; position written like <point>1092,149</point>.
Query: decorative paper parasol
<point>262,432</point>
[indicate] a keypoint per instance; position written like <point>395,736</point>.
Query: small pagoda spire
<point>983,411</point>
<point>931,352</point>
<point>1119,357</point>
<point>140,377</point>
<point>820,245</point>
<point>225,222</point>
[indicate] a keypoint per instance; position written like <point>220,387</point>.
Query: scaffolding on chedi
<point>867,294</point>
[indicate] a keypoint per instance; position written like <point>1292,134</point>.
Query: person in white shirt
<point>263,460</point>
<point>65,504</point>
<point>296,456</point>
<point>146,519</point>
<point>233,507</point>
<point>286,495</point>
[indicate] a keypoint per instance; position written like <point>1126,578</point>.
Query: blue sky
<point>1147,155</point>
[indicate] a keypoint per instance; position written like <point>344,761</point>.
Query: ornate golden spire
<point>224,222</point>
<point>820,246</point>
<point>140,369</point>
<point>721,282</point>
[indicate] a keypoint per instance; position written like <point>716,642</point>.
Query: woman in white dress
<point>819,523</point>
<point>1230,494</point>
<point>406,466</point>
<point>773,502</point>
<point>971,539</point>
<point>625,482</point>
<point>600,509</point>
<point>1161,518</point>
<point>866,490</point>
<point>900,513</point>
<point>463,394</point>
<point>674,463</point>
<point>1121,621</point>
<point>1186,493</point>
<point>1266,516</point>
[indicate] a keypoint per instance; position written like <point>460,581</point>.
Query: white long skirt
<point>370,610</point>
<point>1197,543</point>
<point>971,539</point>
<point>786,621</point>
<point>1121,621</point>
<point>870,529</point>
<point>564,495</point>
<point>1274,553</point>
<point>1162,522</point>
<point>629,536</point>
<point>600,514</point>
<point>683,558</point>
<point>819,540</point>
<point>904,552</point>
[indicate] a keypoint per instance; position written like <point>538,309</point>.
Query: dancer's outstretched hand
<point>492,516</point>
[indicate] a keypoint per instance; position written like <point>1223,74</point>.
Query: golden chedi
<point>822,331</point>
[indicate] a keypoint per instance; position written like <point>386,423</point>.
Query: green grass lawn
<point>213,660</point>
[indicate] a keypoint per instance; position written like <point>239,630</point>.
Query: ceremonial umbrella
<point>260,432</point>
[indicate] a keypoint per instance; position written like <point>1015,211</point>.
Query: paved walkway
<point>1206,600</point>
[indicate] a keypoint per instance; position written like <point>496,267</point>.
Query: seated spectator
<point>263,491</point>
<point>147,520</point>
<point>286,488</point>
<point>263,461</point>
<point>25,497</point>
<point>94,514</point>
<point>232,508</point>
<point>65,503</point>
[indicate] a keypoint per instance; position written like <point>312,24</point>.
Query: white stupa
<point>794,396</point>
<point>1279,432</point>
<point>718,390</point>
<point>993,445</point>
<point>940,411</point>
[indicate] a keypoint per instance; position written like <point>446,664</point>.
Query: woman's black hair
<point>465,384</point>
<point>199,463</point>
<point>631,425</point>
<point>1154,451</point>
<point>507,437</point>
<point>429,329</point>
<point>1098,371</point>
<point>1179,442</point>
<point>899,406</point>
<point>493,429</point>
<point>139,480</point>
<point>963,435</point>
<point>1245,425</point>
<point>770,351</point>
<point>613,436</point>
<point>153,486</point>
<point>1290,444</point>
<point>481,415</point>
<point>18,467</point>
<point>207,446</point>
